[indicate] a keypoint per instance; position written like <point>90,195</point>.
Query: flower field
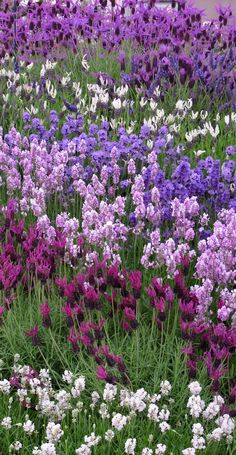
<point>117,228</point>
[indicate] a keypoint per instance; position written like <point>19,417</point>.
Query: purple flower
<point>70,107</point>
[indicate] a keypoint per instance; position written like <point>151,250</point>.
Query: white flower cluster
<point>197,408</point>
<point>118,408</point>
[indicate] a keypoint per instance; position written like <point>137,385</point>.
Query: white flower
<point>164,414</point>
<point>180,105</point>
<point>54,432</point>
<point>196,405</point>
<point>203,115</point>
<point>121,91</point>
<point>6,422</point>
<point>227,119</point>
<point>147,451</point>
<point>110,392</point>
<point>109,435</point>
<point>119,421</point>
<point>103,411</point>
<point>16,446</point>
<point>92,440</point>
<point>153,105</point>
<point>36,451</point>
<point>95,397</point>
<point>165,387</point>
<point>188,103</point>
<point>198,442</point>
<point>130,446</point>
<point>150,144</point>
<point>189,136</point>
<point>194,115</point>
<point>227,424</point>
<point>199,152</point>
<point>211,411</point>
<point>195,388</point>
<point>153,412</point>
<point>47,449</point>
<point>143,102</point>
<point>160,449</point>
<point>83,450</point>
<point>84,63</point>
<point>197,428</point>
<point>216,434</point>
<point>67,376</point>
<point>5,386</point>
<point>157,91</point>
<point>28,427</point>
<point>65,79</point>
<point>164,426</point>
<point>189,451</point>
<point>116,103</point>
<point>79,386</point>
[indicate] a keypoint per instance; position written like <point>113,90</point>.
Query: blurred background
<point>210,6</point>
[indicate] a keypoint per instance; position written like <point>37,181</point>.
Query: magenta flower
<point>79,282</point>
<point>130,322</point>
<point>86,340</point>
<point>73,340</point>
<point>187,309</point>
<point>214,372</point>
<point>180,286</point>
<point>151,294</point>
<point>67,310</point>
<point>185,262</point>
<point>128,302</point>
<point>92,299</point>
<point>129,314</point>
<point>135,279</point>
<point>160,305</point>
<point>169,294</point>
<point>61,283</point>
<point>70,292</point>
<point>34,335</point>
<point>79,313</point>
<point>2,310</point>
<point>113,277</point>
<point>45,313</point>
<point>158,286</point>
<point>98,330</point>
<point>102,375</point>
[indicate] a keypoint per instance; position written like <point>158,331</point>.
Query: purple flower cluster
<point>177,46</point>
